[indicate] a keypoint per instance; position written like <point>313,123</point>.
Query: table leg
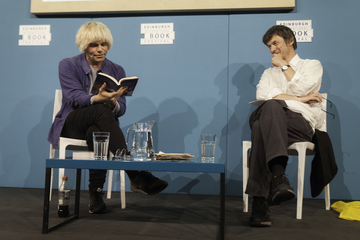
<point>222,206</point>
<point>46,228</point>
<point>46,201</point>
<point>77,193</point>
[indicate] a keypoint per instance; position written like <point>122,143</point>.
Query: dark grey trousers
<point>273,129</point>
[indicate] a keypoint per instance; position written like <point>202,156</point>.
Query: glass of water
<point>208,142</point>
<point>101,145</point>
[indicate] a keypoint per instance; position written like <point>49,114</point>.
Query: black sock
<point>132,174</point>
<point>277,166</point>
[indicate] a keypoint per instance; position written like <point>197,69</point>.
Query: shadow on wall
<point>178,119</point>
<point>244,77</point>
<point>348,117</point>
<point>219,114</point>
<point>148,112</point>
<point>24,149</point>
<point>208,183</point>
<point>37,142</point>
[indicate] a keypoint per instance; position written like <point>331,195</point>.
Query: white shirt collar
<point>294,61</point>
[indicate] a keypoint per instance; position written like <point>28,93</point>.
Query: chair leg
<point>327,197</point>
<point>51,182</point>
<point>61,174</point>
<point>246,149</point>
<point>301,149</point>
<point>110,177</point>
<point>52,155</point>
<point>122,189</point>
<point>62,153</point>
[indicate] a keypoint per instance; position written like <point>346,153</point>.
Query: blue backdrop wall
<point>200,84</point>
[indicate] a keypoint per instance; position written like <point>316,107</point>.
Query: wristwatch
<point>285,67</point>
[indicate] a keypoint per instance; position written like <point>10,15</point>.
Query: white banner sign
<point>34,35</point>
<point>157,33</point>
<point>302,29</point>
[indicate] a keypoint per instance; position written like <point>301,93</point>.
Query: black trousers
<point>82,122</point>
<point>273,129</point>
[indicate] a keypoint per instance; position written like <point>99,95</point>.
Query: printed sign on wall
<point>34,35</point>
<point>302,29</point>
<point>157,33</point>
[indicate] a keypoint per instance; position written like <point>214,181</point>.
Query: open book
<point>113,85</point>
<point>258,103</point>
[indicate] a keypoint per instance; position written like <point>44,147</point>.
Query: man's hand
<point>109,98</point>
<point>312,98</point>
<point>277,60</point>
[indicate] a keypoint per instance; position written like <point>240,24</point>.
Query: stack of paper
<point>172,156</point>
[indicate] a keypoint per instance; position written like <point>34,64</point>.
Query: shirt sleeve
<point>266,89</point>
<point>307,79</point>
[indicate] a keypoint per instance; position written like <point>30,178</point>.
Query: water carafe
<point>142,148</point>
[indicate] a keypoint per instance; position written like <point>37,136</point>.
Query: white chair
<point>302,149</point>
<point>76,144</point>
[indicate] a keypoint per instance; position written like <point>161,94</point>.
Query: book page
<point>110,77</point>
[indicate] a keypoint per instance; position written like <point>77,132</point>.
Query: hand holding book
<point>109,97</point>
<point>114,85</point>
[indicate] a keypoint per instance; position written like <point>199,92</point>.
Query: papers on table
<point>173,156</point>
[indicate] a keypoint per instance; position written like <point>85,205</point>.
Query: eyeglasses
<point>330,107</point>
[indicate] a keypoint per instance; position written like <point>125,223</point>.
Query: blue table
<point>195,166</point>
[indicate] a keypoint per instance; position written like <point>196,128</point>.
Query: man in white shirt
<point>274,128</point>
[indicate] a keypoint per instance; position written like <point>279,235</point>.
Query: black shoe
<point>147,184</point>
<point>260,215</point>
<point>97,204</point>
<point>280,190</point>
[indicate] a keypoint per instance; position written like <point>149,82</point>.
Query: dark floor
<point>167,216</point>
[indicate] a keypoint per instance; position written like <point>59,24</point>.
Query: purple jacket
<point>74,75</point>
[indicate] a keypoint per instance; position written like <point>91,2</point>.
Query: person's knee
<point>102,109</point>
<point>272,103</point>
<point>272,107</point>
<point>100,106</point>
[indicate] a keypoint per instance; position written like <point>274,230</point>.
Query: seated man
<point>274,128</point>
<point>82,113</point>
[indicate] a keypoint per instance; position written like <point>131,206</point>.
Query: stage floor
<point>166,217</point>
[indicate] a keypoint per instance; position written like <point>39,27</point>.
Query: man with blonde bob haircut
<point>91,32</point>
<point>83,113</point>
